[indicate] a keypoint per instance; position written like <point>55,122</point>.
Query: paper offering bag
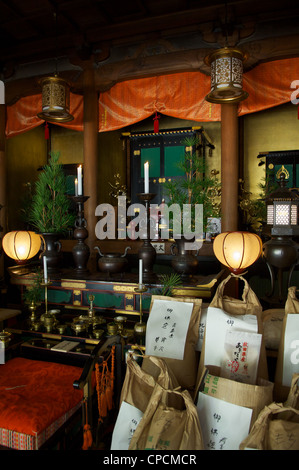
<point>277,428</point>
<point>136,394</point>
<point>288,350</point>
<point>255,397</point>
<point>240,314</point>
<point>139,384</point>
<point>164,427</point>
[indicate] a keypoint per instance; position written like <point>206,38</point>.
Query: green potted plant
<point>33,294</point>
<point>50,213</point>
<point>194,188</point>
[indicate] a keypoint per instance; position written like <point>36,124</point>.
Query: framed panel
<point>163,151</point>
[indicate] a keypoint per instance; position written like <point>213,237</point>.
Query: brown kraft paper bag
<point>138,385</point>
<point>184,370</point>
<point>255,397</point>
<point>248,305</point>
<point>165,427</point>
<point>291,307</point>
<point>277,428</point>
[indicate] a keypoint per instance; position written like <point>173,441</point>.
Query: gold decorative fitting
<point>283,170</point>
<point>226,75</point>
<point>55,100</point>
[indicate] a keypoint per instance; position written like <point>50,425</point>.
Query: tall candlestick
<point>79,175</point>
<point>146,177</point>
<point>45,269</point>
<point>140,274</point>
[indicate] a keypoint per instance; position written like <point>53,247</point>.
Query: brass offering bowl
<point>98,333</point>
<point>112,328</point>
<point>79,326</point>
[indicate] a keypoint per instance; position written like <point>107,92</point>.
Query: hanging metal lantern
<point>226,75</point>
<point>55,100</point>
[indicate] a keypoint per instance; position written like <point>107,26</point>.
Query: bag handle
<point>221,287</point>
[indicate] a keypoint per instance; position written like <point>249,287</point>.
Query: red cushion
<point>34,394</point>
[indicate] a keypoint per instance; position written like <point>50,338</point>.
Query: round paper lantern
<point>237,250</point>
<point>21,245</point>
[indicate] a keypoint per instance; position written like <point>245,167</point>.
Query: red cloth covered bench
<point>36,399</point>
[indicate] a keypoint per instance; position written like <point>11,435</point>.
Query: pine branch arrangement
<point>50,210</point>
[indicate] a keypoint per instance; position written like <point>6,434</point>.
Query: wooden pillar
<point>90,152</point>
<point>3,198</point>
<point>229,167</point>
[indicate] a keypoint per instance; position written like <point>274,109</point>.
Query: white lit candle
<point>140,273</point>
<point>79,175</point>
<point>76,187</point>
<point>45,269</point>
<point>146,177</point>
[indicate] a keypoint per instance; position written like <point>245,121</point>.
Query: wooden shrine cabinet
<point>282,161</point>
<point>163,150</point>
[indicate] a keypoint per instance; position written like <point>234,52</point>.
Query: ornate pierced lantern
<point>237,250</point>
<point>282,210</point>
<point>55,100</point>
<point>21,245</point>
<point>226,75</point>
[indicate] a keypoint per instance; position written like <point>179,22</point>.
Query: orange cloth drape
<point>269,85</point>
<point>22,115</point>
<point>179,95</point>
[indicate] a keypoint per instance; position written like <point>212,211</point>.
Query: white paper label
<point>167,328</point>
<point>241,356</point>
<point>127,421</point>
<point>202,327</point>
<point>217,324</point>
<point>291,349</point>
<point>224,425</point>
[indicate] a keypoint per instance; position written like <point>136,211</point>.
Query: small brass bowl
<point>79,326</point>
<point>98,333</point>
<point>112,328</point>
<point>61,328</point>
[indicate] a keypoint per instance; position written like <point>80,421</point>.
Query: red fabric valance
<point>180,95</point>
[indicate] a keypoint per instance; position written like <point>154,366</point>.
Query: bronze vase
<point>184,261</point>
<point>52,251</point>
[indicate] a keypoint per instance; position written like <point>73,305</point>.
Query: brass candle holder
<point>46,284</point>
<point>147,252</point>
<point>120,320</point>
<point>140,327</point>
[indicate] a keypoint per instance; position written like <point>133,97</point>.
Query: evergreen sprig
<point>50,210</point>
<point>169,281</point>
